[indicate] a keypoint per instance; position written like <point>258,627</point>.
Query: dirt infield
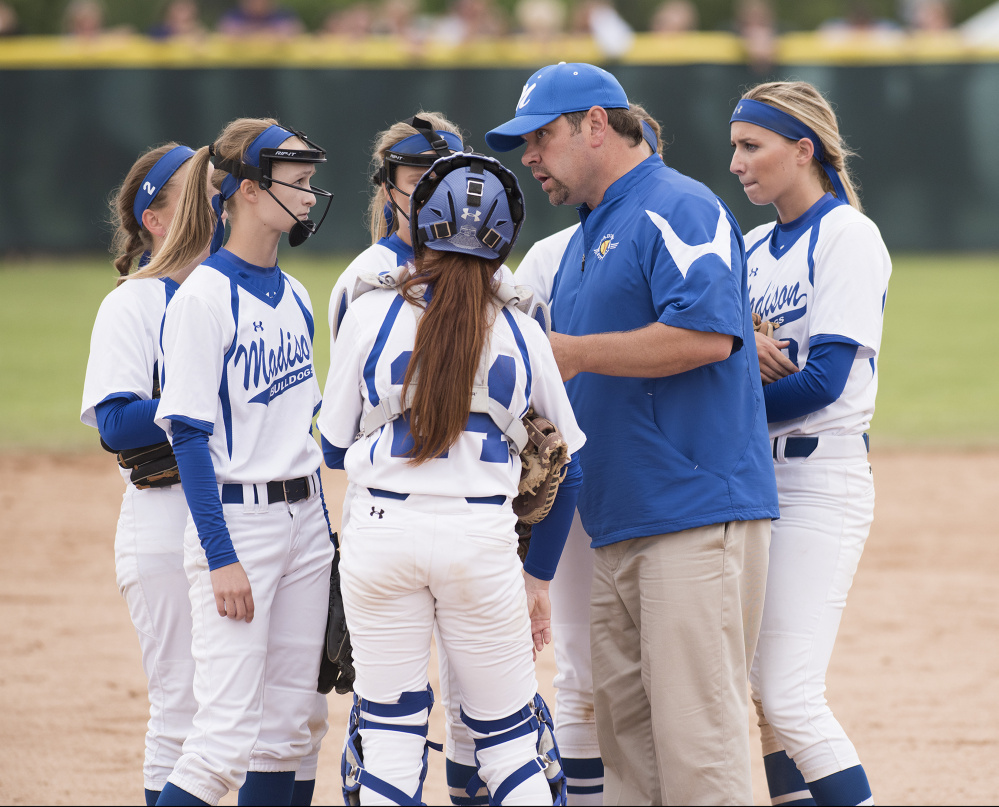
<point>913,680</point>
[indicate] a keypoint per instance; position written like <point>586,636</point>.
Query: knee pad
<point>533,718</point>
<point>352,770</point>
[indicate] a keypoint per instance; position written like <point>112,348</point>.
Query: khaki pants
<point>674,624</point>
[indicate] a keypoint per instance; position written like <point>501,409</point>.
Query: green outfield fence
<point>923,114</point>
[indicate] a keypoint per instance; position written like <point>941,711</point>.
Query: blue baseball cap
<point>553,91</point>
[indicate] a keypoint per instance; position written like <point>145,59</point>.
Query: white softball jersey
<point>238,362</point>
<point>538,267</point>
<point>124,346</point>
<point>368,363</point>
<point>824,278</point>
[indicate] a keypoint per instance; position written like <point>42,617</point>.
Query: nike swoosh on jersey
<point>685,254</point>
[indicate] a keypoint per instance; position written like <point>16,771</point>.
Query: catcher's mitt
<point>764,326</point>
<point>336,665</point>
<point>543,467</point>
<point>152,466</point>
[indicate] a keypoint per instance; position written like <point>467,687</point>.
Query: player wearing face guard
<point>396,171</point>
<point>267,149</point>
<point>435,367</point>
<point>419,150</point>
<point>238,397</point>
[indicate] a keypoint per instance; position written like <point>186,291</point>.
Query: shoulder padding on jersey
<point>523,297</point>
<point>369,281</point>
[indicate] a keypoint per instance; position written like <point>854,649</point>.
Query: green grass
<point>937,388</point>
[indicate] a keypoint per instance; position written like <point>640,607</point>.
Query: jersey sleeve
<point>548,395</point>
<point>122,359</point>
<point>194,346</point>
<point>849,289</point>
<point>695,267</point>
<point>340,416</point>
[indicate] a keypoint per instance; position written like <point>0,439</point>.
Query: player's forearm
<point>654,351</point>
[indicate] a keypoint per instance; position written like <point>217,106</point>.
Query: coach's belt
<point>286,490</point>
<point>804,446</point>
<point>391,494</point>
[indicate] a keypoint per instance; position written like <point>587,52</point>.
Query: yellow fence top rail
<point>317,51</point>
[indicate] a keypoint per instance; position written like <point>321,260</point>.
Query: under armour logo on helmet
<point>476,215</point>
<point>375,512</point>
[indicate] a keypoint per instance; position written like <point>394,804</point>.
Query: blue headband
<point>417,144</point>
<point>157,177</point>
<point>650,136</point>
<point>269,138</point>
<point>769,117</point>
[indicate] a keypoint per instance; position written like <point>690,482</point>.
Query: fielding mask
<point>257,164</point>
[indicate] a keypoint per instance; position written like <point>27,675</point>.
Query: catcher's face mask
<point>467,203</point>
<point>410,152</point>
<point>257,164</point>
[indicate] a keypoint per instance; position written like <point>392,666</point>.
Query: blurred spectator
<point>756,25</point>
<point>260,18</point>
<point>540,20</point>
<point>468,20</point>
<point>84,20</point>
<point>933,16</point>
<point>399,18</point>
<point>180,20</point>
<point>861,21</point>
<point>9,25</point>
<point>351,22</point>
<point>982,28</point>
<point>674,17</point>
<point>609,30</point>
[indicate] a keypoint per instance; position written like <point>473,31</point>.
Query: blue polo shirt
<point>688,450</point>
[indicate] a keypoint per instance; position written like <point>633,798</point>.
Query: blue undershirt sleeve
<point>548,535</point>
<point>333,454</point>
<point>817,385</point>
<point>190,446</point>
<point>125,421</point>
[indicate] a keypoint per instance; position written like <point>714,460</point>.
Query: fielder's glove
<point>543,467</point>
<point>764,326</point>
<point>151,466</point>
<point>336,665</point>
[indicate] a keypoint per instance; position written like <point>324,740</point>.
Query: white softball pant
<point>408,566</point>
<point>575,727</point>
<point>149,561</point>
<point>256,682</point>
<point>826,510</point>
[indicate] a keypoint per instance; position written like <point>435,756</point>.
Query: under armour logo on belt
<point>378,513</point>
<point>258,325</point>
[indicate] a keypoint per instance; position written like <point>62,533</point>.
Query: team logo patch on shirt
<point>606,244</point>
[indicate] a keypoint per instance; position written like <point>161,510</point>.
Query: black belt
<point>804,446</point>
<point>287,490</point>
<point>797,446</point>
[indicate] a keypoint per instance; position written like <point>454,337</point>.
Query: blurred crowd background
<point>611,23</point>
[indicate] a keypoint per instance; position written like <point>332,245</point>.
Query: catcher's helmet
<point>467,203</point>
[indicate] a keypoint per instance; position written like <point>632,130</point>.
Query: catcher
<point>431,374</point>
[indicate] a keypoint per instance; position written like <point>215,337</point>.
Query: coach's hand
<point>233,597</point>
<point>540,609</point>
<point>774,365</point>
